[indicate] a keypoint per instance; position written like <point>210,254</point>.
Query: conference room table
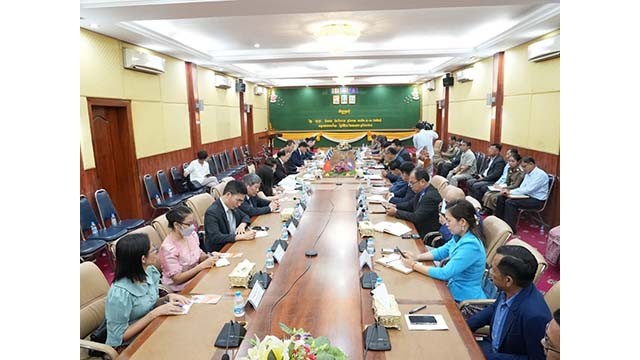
<point>320,294</point>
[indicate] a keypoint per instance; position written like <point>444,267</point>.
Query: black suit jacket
<point>297,158</point>
<point>280,173</point>
<point>216,226</point>
<point>495,170</point>
<point>403,155</point>
<point>290,167</point>
<point>422,212</point>
<point>254,206</point>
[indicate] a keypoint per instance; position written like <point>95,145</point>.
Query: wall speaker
<point>447,80</point>
<point>240,86</point>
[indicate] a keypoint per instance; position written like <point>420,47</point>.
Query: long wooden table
<point>320,294</point>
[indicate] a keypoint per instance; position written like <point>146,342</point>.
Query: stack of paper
<point>206,299</point>
<point>396,228</point>
<point>494,188</point>
<point>380,190</point>
<point>394,261</point>
<point>376,199</point>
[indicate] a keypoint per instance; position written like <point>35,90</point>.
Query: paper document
<point>206,299</point>
<point>186,307</point>
<point>396,228</point>
<point>377,199</point>
<point>439,325</point>
<point>256,295</point>
<point>394,261</point>
<point>379,190</point>
<point>378,166</point>
<point>230,255</point>
<point>514,196</point>
<point>494,188</point>
<point>373,177</point>
<point>222,262</point>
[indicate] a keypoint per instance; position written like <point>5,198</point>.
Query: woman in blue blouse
<point>463,272</point>
<point>133,301</point>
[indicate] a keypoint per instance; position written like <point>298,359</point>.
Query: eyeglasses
<point>155,249</point>
<point>546,342</point>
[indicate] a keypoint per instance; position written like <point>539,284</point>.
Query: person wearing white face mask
<point>180,255</point>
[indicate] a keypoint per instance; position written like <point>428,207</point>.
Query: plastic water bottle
<point>370,246</point>
<point>94,228</point>
<point>170,193</point>
<point>269,264</point>
<point>541,229</point>
<point>378,282</point>
<point>365,216</point>
<point>284,235</point>
<point>238,305</point>
<point>158,201</point>
<point>114,220</point>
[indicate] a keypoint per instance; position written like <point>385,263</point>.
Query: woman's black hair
<point>265,172</point>
<point>463,209</point>
<point>129,252</point>
<point>177,215</point>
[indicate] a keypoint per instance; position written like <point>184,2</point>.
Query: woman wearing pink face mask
<point>180,255</point>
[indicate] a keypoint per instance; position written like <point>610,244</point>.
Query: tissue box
<point>286,214</point>
<point>387,317</point>
<point>241,274</point>
<point>365,228</point>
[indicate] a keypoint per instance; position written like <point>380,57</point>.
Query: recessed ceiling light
<point>94,26</point>
<point>256,45</point>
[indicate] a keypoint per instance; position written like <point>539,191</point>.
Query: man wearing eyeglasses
<point>519,315</point>
<point>551,340</point>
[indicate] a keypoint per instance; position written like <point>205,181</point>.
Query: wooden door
<point>114,152</point>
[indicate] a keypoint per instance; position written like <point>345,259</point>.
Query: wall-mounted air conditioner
<point>430,85</point>
<point>465,75</point>
<point>140,61</point>
<point>258,90</point>
<point>544,49</point>
<point>223,82</point>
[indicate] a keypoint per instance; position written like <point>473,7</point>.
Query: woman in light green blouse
<point>133,301</point>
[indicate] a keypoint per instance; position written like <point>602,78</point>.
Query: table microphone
<point>225,356</point>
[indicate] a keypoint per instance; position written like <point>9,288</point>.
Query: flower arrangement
<point>342,168</point>
<point>343,146</point>
<point>299,346</point>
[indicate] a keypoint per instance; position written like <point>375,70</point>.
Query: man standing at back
<point>199,171</point>
<point>519,315</point>
<point>424,139</point>
<point>423,210</point>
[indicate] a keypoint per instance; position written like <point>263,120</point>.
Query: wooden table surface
<point>320,294</point>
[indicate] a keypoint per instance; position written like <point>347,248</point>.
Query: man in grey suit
<point>489,174</point>
<point>224,222</point>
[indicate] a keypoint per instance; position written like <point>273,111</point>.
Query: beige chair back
<point>93,295</point>
<point>199,205</point>
<point>542,263</point>
<point>552,297</point>
<point>218,190</point>
<point>439,183</point>
<point>476,204</point>
<point>161,225</point>
<point>437,146</point>
<point>451,193</point>
<point>496,233</point>
<point>251,168</point>
<point>148,230</point>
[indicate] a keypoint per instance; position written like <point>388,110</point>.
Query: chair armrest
<point>92,345</point>
<point>163,289</point>
<point>476,302</point>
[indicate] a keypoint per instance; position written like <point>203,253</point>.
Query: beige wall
<point>158,102</point>
<point>429,99</point>
<point>260,105</point>
<point>468,113</point>
<point>221,116</point>
<point>531,112</point>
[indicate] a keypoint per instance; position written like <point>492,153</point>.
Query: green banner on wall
<point>357,108</point>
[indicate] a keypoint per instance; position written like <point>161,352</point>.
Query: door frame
<point>131,162</point>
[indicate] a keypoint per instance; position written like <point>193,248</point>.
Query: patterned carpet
<point>526,232</point>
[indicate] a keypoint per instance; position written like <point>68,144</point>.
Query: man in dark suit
<point>403,154</point>
<point>423,210</point>
<point>489,174</point>
<point>519,315</point>
<point>298,155</point>
<point>254,205</point>
<point>281,171</point>
<point>224,222</point>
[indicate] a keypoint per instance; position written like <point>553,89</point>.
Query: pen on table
<point>417,309</point>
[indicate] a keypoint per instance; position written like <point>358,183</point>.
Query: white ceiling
<point>401,41</point>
